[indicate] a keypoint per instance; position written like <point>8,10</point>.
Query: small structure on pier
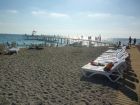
<point>33,32</point>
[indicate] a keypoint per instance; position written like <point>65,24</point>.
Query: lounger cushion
<point>108,66</point>
<point>96,63</point>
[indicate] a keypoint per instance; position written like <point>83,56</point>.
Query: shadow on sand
<point>126,85</point>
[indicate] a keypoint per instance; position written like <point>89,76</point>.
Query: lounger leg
<point>90,75</point>
<point>84,73</point>
<point>114,80</point>
<point>119,74</point>
<point>117,78</point>
<point>87,75</point>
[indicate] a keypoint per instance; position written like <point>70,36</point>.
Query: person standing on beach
<point>130,39</point>
<point>119,44</point>
<point>134,41</point>
<point>8,44</point>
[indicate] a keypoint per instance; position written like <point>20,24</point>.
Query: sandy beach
<point>52,76</point>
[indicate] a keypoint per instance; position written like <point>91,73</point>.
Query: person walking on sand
<point>130,39</point>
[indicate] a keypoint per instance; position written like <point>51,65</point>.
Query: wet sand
<point>52,77</point>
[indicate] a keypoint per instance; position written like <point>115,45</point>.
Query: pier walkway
<point>129,93</point>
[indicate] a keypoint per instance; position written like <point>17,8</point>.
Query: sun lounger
<point>118,56</point>
<point>115,54</point>
<point>113,59</point>
<point>13,50</point>
<point>110,51</point>
<point>116,71</point>
<point>122,55</point>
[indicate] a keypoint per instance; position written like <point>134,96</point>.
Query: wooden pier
<point>64,40</point>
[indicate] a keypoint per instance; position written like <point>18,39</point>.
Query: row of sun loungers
<point>111,64</point>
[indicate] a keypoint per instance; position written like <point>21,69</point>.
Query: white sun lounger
<point>117,70</point>
<point>13,50</point>
<point>110,51</point>
<point>113,53</point>
<point>118,56</point>
<point>112,59</point>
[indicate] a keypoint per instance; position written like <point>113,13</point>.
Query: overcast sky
<point>110,18</point>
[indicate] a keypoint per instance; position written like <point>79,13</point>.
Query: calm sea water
<point>21,41</point>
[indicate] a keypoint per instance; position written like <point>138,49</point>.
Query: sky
<point>108,18</point>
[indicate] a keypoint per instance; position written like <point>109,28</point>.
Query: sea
<point>18,38</point>
<point>21,40</point>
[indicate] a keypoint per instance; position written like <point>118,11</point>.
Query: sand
<point>52,76</point>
